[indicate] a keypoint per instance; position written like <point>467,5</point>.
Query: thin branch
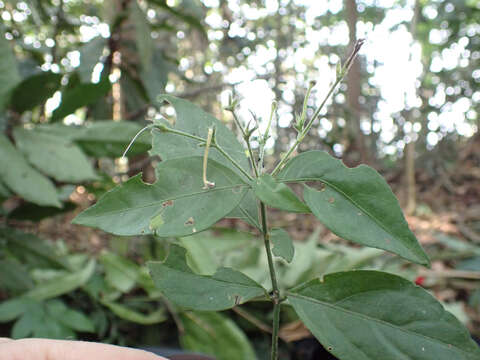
<point>273,276</point>
<point>448,274</point>
<point>249,317</point>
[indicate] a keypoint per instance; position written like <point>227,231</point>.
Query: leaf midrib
<point>368,318</point>
<point>211,277</point>
<point>169,199</point>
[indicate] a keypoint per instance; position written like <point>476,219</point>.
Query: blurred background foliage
<point>78,79</point>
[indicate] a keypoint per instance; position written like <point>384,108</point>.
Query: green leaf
<point>9,75</point>
<point>30,320</point>
<point>247,210</point>
<point>282,244</point>
<point>143,36</point>
<point>102,138</point>
<point>215,334</point>
<point>13,308</point>
<point>177,197</point>
<point>34,91</point>
<point>182,15</point>
<point>22,179</point>
<point>192,119</point>
<point>155,77</point>
<point>62,284</point>
<point>79,96</point>
<point>4,192</point>
<point>33,212</point>
<point>370,315</point>
<point>277,195</point>
<point>356,204</point>
<point>348,257</point>
<point>304,262</point>
<point>71,318</point>
<point>120,273</point>
<point>46,320</point>
<point>208,251</point>
<point>90,54</point>
<point>110,138</point>
<point>54,156</point>
<point>29,249</point>
<point>128,314</point>
<point>15,276</point>
<point>223,290</point>
<point>137,98</point>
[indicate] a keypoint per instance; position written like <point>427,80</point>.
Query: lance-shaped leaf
<point>223,290</point>
<point>9,75</point>
<point>193,120</point>
<point>175,205</point>
<point>110,138</point>
<point>277,195</point>
<point>79,96</point>
<point>120,273</point>
<point>54,156</point>
<point>90,54</point>
<point>62,284</point>
<point>144,42</point>
<point>102,137</point>
<point>126,313</point>
<point>215,334</point>
<point>35,90</point>
<point>371,315</point>
<point>12,308</point>
<point>356,204</point>
<point>24,180</point>
<point>282,244</point>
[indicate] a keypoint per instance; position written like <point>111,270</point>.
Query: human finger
<point>41,349</point>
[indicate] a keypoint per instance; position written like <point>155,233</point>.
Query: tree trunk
<point>354,88</point>
<point>410,147</point>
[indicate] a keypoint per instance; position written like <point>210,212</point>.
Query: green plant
<point>49,290</point>
<point>205,176</point>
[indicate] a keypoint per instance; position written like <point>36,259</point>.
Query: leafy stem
<point>273,276</point>
<point>263,140</point>
<point>340,76</point>
<point>303,130</point>
<point>275,297</point>
<point>246,136</point>
<point>229,158</point>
